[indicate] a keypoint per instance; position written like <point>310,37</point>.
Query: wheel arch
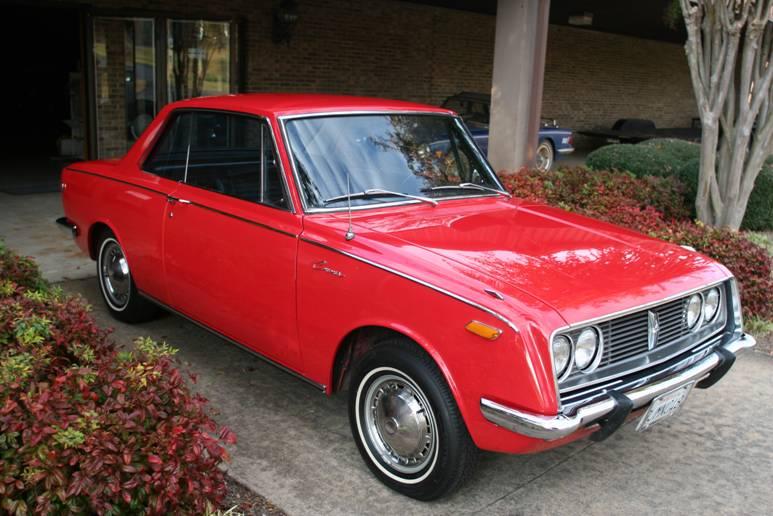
<point>364,337</point>
<point>95,230</point>
<point>549,139</point>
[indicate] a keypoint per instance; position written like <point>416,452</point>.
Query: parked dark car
<point>553,140</point>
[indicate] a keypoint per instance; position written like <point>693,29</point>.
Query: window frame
<point>290,207</point>
<point>456,120</point>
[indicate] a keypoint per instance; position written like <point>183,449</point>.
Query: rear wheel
<point>406,423</point>
<point>115,282</point>
<point>545,156</point>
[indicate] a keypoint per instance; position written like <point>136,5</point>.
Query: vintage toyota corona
<point>367,247</point>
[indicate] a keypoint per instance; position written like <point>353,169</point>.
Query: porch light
<point>285,17</point>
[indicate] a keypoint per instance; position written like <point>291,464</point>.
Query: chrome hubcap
<point>544,158</point>
<point>115,275</point>
<point>399,423</point>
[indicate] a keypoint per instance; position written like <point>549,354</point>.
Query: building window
<point>198,59</point>
<point>125,75</point>
<point>132,80</point>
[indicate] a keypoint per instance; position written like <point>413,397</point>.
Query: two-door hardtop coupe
<point>366,245</point>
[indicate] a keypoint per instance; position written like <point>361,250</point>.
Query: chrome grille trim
<point>630,355</point>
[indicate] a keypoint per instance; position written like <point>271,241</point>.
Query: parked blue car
<point>553,140</point>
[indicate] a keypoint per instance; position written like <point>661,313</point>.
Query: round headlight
<point>710,304</point>
<point>562,354</point>
<point>694,307</point>
<point>586,348</point>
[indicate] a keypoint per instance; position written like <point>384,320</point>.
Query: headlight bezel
<point>566,370</point>
<point>710,319</point>
<point>698,322</point>
<point>595,359</point>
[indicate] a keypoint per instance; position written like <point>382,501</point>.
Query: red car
<point>367,246</point>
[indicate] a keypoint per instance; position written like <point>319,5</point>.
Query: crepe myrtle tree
<point>729,46</point>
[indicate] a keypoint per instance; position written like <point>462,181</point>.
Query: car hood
<point>581,267</point>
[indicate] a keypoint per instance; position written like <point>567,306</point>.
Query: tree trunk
<point>729,51</point>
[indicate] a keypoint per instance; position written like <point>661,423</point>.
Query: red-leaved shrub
<point>598,192</point>
<point>87,428</point>
<point>654,206</point>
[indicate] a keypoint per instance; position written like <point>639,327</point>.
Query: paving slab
<point>27,225</point>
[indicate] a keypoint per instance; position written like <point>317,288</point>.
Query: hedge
<point>86,428</point>
<point>635,203</point>
<point>640,160</point>
<point>679,158</point>
<point>759,210</point>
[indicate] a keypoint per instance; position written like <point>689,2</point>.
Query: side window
<point>226,153</point>
<point>168,157</point>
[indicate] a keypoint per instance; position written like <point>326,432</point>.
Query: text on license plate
<point>664,406</point>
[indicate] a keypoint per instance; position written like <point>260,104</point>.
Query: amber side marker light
<point>483,330</point>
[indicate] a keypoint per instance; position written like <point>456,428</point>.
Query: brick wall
<point>592,79</point>
<point>422,53</point>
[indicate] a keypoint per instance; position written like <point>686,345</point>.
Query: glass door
<point>125,81</point>
<point>198,58</point>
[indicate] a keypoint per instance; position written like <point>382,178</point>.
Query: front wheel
<point>406,423</point>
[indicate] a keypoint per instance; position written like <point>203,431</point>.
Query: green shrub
<point>640,160</point>
<point>679,151</point>
<point>759,211</point>
<point>85,429</point>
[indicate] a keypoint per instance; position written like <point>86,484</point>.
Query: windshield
<point>418,155</point>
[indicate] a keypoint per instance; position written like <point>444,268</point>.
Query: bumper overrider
<point>613,410</point>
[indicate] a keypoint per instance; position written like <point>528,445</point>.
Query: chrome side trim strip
<point>242,219</point>
<point>203,206</point>
<point>262,357</point>
<point>550,428</point>
<point>418,281</point>
<point>115,179</point>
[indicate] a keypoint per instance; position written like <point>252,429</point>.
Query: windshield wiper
<point>469,186</point>
<point>378,192</point>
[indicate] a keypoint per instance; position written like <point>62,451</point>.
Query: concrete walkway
<point>27,224</point>
<point>295,447</point>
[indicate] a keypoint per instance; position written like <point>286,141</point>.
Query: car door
<point>230,237</point>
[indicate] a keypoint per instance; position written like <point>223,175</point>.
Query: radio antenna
<point>349,232</point>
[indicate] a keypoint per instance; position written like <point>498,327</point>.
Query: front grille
<point>626,336</point>
<point>626,349</point>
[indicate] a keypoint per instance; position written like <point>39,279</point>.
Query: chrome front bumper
<point>550,428</point>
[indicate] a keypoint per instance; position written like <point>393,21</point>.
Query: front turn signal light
<point>483,330</point>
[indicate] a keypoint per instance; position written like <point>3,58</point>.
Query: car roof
<point>287,104</point>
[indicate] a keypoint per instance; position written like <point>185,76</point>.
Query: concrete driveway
<point>295,447</point>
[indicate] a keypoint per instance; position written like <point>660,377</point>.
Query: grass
<point>762,238</point>
<point>758,327</point>
<point>755,325</point>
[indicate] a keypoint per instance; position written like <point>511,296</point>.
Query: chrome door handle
<point>173,200</point>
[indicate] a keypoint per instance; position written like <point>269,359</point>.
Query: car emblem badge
<point>654,329</point>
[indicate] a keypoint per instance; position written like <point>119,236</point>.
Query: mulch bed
<point>247,502</point>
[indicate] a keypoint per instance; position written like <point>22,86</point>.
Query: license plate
<point>665,405</point>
